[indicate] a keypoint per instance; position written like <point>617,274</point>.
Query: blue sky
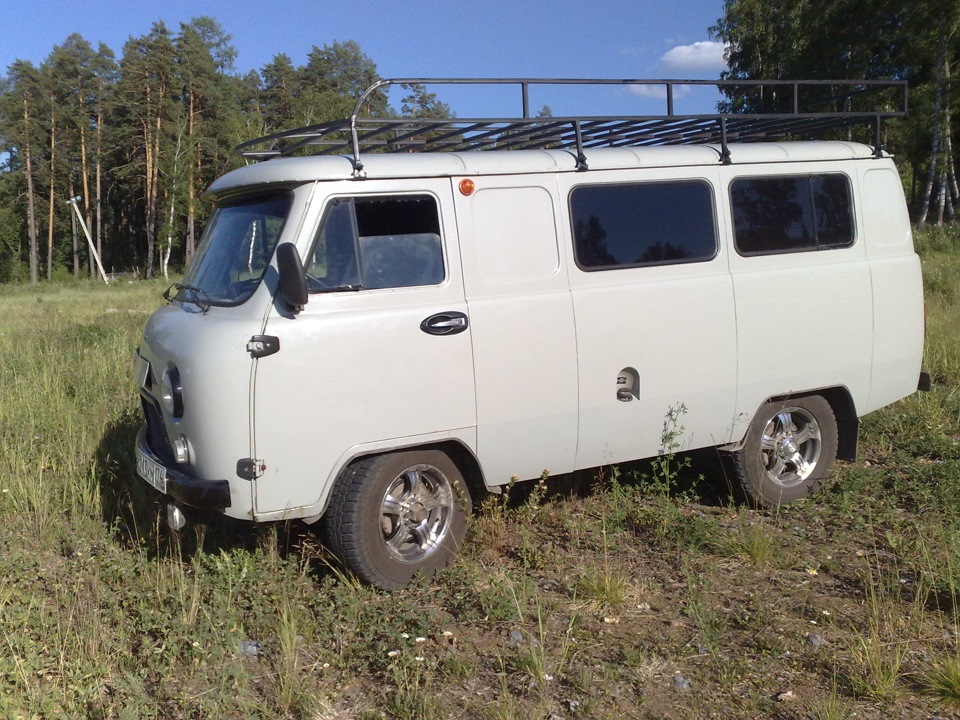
<point>427,38</point>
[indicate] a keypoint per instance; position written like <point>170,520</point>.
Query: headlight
<point>171,394</point>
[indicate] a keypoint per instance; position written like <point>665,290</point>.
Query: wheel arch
<point>460,454</point>
<point>844,410</point>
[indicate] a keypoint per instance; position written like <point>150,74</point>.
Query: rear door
<point>381,355</point>
<point>803,283</point>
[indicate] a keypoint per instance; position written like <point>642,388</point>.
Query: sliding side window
<point>368,243</point>
<point>639,224</point>
<point>792,214</point>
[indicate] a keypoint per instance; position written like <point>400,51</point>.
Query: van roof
<point>298,170</point>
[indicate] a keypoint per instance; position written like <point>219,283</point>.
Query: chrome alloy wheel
<point>790,446</point>
<point>415,513</point>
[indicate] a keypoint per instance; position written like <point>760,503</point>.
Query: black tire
<point>396,515</point>
<point>790,447</point>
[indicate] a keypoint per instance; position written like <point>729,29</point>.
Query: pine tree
<point>144,106</point>
<point>21,131</point>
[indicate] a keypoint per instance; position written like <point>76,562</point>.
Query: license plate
<point>152,471</point>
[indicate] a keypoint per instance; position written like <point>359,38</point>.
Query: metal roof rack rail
<point>787,109</point>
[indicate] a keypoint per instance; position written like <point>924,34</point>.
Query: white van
<point>373,339</point>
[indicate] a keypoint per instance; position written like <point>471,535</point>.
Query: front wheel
<point>396,515</point>
<point>788,451</point>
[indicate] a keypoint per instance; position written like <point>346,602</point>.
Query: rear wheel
<point>394,516</point>
<point>789,449</point>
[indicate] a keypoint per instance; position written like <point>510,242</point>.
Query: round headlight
<point>171,394</point>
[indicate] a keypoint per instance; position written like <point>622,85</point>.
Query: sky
<point>652,39</point>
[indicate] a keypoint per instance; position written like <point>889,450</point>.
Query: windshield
<point>235,250</point>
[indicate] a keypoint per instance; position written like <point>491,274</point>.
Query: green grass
<point>577,597</point>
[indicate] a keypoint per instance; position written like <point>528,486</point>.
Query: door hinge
<point>263,345</point>
<point>250,468</point>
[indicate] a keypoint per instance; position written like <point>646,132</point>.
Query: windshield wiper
<point>180,293</point>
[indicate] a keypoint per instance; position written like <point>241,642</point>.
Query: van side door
<point>379,358</point>
<point>802,280</point>
<point>654,309</point>
<point>524,341</point>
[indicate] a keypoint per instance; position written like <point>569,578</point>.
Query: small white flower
<point>548,677</point>
<point>419,658</point>
<point>446,633</point>
<point>393,653</point>
<point>405,636</point>
<point>420,640</point>
<point>325,666</point>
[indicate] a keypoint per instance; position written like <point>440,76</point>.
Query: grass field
<point>642,592</point>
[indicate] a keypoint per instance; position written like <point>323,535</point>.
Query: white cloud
<point>657,92</point>
<point>701,57</point>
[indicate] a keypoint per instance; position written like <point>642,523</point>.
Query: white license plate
<point>152,471</point>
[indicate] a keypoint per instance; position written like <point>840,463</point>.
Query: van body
<point>458,321</point>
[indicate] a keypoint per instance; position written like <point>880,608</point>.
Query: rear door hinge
<point>263,345</point>
<point>250,468</point>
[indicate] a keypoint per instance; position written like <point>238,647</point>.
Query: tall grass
<point>64,386</point>
<point>585,602</point>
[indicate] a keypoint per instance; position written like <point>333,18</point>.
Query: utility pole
<point>93,250</point>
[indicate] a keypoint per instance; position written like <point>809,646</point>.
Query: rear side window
<point>792,214</point>
<point>377,242</point>
<point>638,224</point>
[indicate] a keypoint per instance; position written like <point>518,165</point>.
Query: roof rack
<point>791,109</point>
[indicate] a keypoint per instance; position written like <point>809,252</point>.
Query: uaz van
<point>374,337</point>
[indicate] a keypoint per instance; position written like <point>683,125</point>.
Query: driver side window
<point>377,242</point>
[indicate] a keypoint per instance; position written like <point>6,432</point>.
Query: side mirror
<point>293,285</point>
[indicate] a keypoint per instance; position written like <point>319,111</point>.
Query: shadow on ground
<point>137,513</point>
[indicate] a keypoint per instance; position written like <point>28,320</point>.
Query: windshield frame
<point>214,277</point>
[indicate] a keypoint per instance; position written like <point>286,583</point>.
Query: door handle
<point>445,323</point>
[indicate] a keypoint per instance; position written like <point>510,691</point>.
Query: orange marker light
<point>467,186</point>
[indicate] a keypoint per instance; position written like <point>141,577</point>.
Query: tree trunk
<point>941,196</point>
<point>53,153</point>
<point>98,170</point>
<point>85,177</point>
<point>31,208</point>
<point>168,250</point>
<point>941,134</point>
<point>151,141</point>
<point>932,170</point>
<point>952,193</point>
<point>191,183</point>
<point>73,235</point>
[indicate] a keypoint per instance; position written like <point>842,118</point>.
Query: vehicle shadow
<point>136,513</point>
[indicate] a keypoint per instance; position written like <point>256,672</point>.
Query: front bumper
<point>205,494</point>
